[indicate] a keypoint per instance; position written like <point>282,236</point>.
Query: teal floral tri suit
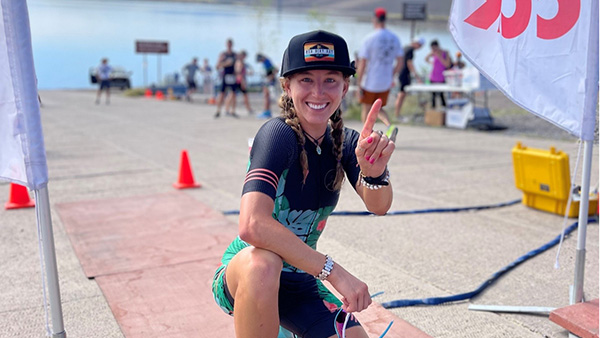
<point>303,208</point>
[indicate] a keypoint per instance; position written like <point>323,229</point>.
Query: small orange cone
<point>186,178</point>
<point>212,101</point>
<point>19,198</point>
<point>160,95</point>
<point>148,92</point>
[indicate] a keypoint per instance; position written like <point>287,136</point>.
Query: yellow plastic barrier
<point>544,178</point>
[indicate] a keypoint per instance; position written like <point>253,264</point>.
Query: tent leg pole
<point>43,213</point>
<point>577,295</point>
<point>542,310</point>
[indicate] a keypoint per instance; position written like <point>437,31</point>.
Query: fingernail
<point>370,139</point>
<point>372,160</point>
<point>368,158</point>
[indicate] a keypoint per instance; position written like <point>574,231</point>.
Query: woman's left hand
<point>374,149</point>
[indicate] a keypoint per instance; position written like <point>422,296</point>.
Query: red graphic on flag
<point>548,29</point>
<point>565,19</point>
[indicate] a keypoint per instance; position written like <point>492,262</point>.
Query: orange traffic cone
<point>148,92</point>
<point>160,95</point>
<point>186,178</point>
<point>19,198</point>
<point>212,101</point>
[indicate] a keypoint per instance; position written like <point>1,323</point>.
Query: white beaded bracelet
<point>326,271</point>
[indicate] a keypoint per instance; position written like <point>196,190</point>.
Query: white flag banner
<point>22,152</point>
<point>543,55</point>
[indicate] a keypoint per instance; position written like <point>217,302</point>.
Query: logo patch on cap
<point>318,51</point>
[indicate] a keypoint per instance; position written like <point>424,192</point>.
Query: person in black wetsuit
<point>226,65</point>
<point>272,274</point>
<point>408,70</point>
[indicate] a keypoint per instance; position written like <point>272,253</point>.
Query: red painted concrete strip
<point>375,319</point>
<point>169,301</point>
<point>128,234</point>
<point>580,319</point>
<point>154,258</point>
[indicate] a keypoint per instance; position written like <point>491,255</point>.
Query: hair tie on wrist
<point>374,183</point>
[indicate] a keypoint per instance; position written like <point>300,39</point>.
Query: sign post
<point>151,47</point>
<point>414,11</point>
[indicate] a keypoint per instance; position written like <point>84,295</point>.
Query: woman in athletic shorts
<point>271,274</point>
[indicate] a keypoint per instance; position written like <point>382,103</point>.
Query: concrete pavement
<point>132,147</point>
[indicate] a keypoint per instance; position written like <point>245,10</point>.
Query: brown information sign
<point>414,11</point>
<point>155,47</point>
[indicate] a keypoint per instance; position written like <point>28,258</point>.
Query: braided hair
<point>337,134</point>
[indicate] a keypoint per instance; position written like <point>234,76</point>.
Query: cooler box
<point>544,178</point>
<point>458,113</point>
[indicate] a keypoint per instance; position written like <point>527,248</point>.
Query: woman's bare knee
<point>254,268</point>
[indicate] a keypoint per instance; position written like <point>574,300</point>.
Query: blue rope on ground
<point>409,212</point>
<point>495,276</point>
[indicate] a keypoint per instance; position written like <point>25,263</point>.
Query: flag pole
<point>591,102</point>
<point>23,115</point>
<point>42,208</point>
<point>577,290</point>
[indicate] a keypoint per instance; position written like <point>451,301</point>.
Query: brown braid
<point>337,134</point>
<point>291,119</point>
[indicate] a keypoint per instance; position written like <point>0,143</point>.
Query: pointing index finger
<point>371,119</point>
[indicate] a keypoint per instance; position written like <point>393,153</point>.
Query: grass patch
<point>352,112</point>
<point>133,92</point>
<point>410,107</point>
<point>509,111</point>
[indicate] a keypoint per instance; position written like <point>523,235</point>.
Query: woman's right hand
<point>355,293</point>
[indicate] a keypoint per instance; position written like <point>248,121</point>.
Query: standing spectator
<point>189,72</point>
<point>103,75</point>
<point>241,70</point>
<point>441,61</point>
<point>207,81</point>
<point>408,70</point>
<point>459,64</point>
<point>226,65</point>
<point>457,67</point>
<point>268,83</point>
<point>376,68</point>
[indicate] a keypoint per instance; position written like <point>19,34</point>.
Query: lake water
<point>71,36</point>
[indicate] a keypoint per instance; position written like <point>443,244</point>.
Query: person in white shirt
<point>380,60</point>
<point>103,75</point>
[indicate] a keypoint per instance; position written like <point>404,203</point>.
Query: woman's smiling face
<point>316,94</point>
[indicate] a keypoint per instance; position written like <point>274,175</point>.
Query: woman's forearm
<point>258,228</point>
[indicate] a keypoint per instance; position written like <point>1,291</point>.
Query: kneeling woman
<point>271,274</point>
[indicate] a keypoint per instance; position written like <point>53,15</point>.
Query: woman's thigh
<point>307,307</point>
<point>354,332</point>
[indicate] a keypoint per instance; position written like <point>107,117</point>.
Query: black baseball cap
<point>316,50</point>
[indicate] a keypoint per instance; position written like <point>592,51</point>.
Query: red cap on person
<point>380,12</point>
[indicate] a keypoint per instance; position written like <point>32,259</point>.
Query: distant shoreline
<point>437,11</point>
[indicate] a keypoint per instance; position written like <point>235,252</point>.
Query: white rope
<point>568,207</point>
<point>345,324</point>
